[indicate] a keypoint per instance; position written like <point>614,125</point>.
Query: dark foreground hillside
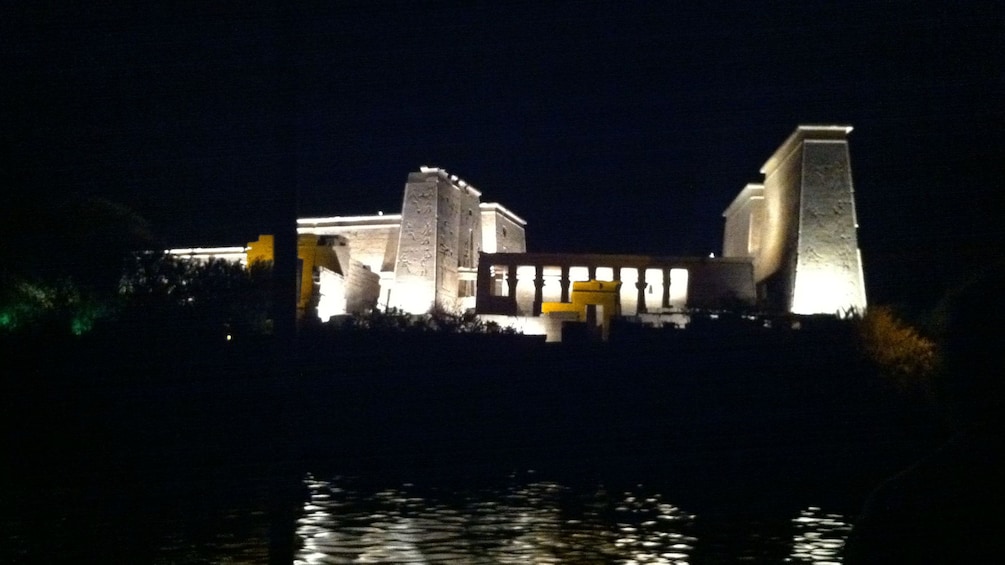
<point>736,420</point>
<point>802,403</point>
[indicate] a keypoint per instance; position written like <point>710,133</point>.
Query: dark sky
<point>609,126</point>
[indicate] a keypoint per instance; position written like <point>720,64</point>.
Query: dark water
<point>405,456</point>
<point>346,520</point>
<point>531,521</point>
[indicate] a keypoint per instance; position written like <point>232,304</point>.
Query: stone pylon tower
<point>799,226</point>
<point>440,235</point>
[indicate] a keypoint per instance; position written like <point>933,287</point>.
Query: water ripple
<point>539,522</point>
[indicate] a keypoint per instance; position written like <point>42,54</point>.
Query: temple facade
<point>789,245</point>
<point>428,254</point>
<point>423,257</point>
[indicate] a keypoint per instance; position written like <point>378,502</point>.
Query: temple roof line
<point>497,207</point>
<point>804,132</point>
<point>453,179</point>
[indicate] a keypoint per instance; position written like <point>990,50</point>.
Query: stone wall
<point>374,239</point>
<point>719,284</point>
<point>510,236</point>
<point>744,223</point>
<point>447,243</point>
<point>803,238</point>
<point>441,234</point>
<point>503,231</point>
<point>828,271</point>
<point>781,223</point>
<point>362,288</point>
<point>375,247</point>
<point>415,268</point>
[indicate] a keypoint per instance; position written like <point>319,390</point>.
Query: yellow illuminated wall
<point>318,263</point>
<point>261,250</point>
<point>590,293</point>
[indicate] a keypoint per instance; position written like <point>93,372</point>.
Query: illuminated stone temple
<point>798,227</point>
<point>425,256</point>
<point>790,245</point>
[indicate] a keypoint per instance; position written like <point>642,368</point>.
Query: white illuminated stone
<point>799,227</point>
<point>332,299</point>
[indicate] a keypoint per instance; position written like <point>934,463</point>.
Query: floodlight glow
<point>678,288</point>
<point>332,299</point>
<point>629,294</point>
<point>525,272</point>
<point>654,288</point>
<point>412,297</point>
<point>823,290</point>
<point>552,291</point>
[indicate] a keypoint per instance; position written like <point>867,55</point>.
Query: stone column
<point>511,284</point>
<point>666,287</point>
<point>538,288</point>
<point>484,277</point>
<point>565,283</point>
<point>617,278</point>
<point>640,284</point>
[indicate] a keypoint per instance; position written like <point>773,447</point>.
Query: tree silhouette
<point>62,261</point>
<point>168,294</point>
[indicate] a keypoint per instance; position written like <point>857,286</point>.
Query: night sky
<point>609,126</point>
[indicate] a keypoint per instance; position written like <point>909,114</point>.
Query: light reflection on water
<point>819,537</point>
<point>523,522</point>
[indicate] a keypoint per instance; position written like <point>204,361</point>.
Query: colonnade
<point>518,283</point>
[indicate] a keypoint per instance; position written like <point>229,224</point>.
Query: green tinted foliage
<point>60,307</point>
<point>62,259</point>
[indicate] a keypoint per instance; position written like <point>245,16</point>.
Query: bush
<point>49,307</point>
<point>181,295</point>
<point>437,320</point>
<point>899,351</point>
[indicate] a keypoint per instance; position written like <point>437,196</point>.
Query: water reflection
<point>520,520</point>
<point>538,522</point>
<point>652,531</point>
<point>524,521</point>
<point>818,537</point>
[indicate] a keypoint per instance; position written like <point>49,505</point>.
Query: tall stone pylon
<point>799,227</point>
<point>440,234</point>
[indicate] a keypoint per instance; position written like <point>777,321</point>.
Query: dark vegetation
<point>62,261</point>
